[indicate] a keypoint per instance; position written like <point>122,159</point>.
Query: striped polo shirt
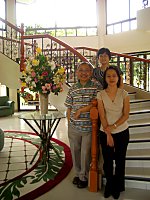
<point>80,96</point>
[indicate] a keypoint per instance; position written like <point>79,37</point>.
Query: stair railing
<point>136,71</point>
<point>11,43</point>
<point>57,51</point>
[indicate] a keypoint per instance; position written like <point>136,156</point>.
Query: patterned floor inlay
<point>19,179</point>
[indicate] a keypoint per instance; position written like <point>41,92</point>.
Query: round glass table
<point>45,128</point>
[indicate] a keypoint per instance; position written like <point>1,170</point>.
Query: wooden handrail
<point>67,46</point>
<point>10,25</point>
<point>93,174</point>
<point>115,54</point>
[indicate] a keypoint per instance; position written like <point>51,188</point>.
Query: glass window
<point>134,6</point>
<point>110,30</point>
<point>125,26</point>
<point>117,10</point>
<point>117,28</point>
<point>60,32</point>
<point>71,32</point>
<point>133,25</point>
<point>91,31</point>
<point>81,32</point>
<point>125,12</point>
<point>63,13</point>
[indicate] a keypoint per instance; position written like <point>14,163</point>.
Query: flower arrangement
<point>41,75</point>
<point>26,96</point>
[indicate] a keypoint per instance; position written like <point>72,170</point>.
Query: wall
<point>58,101</point>
<point>90,41</point>
<point>131,41</point>
<point>140,94</point>
<point>9,76</point>
<point>9,72</point>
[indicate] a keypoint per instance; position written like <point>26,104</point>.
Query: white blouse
<point>113,109</point>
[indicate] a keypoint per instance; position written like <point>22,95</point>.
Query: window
<point>2,13</point>
<point>60,13</point>
<point>121,15</point>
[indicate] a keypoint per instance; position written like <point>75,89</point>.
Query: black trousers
<point>115,174</point>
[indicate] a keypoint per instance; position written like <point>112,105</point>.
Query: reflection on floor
<point>65,189</point>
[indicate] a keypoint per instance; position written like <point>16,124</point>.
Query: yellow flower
<point>35,62</point>
<point>23,73</point>
<point>23,84</point>
<point>60,71</point>
<point>38,50</point>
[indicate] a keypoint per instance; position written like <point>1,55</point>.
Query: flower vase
<point>43,103</point>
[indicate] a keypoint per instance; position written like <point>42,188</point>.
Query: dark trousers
<point>115,176</point>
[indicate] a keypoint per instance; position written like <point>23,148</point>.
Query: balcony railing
<point>63,31</point>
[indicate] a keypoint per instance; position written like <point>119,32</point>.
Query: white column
<point>11,11</point>
<point>101,19</point>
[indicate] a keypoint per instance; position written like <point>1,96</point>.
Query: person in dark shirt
<point>104,56</point>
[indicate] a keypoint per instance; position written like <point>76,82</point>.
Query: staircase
<point>138,153</point>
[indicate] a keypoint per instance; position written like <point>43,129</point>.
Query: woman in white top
<point>114,108</point>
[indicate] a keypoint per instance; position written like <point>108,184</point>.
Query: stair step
<point>137,153</point>
<point>142,114</point>
<point>130,183</point>
<point>138,163</point>
<point>139,100</point>
<point>134,145</point>
<point>139,103</point>
<point>138,172</point>
<point>139,122</point>
<point>139,110</point>
<point>139,136</point>
<point>140,129</point>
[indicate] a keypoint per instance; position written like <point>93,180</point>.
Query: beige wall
<point>91,41</point>
<point>140,94</point>
<point>9,76</point>
<point>9,72</point>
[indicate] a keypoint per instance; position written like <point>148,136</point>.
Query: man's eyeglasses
<point>84,71</point>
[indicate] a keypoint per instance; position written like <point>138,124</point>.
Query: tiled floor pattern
<point>15,158</point>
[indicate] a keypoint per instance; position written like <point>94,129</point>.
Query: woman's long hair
<point>111,67</point>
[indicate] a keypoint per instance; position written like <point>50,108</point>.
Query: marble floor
<point>65,189</point>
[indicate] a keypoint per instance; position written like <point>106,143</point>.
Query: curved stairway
<point>138,153</point>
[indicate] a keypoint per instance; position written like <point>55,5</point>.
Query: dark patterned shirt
<point>98,74</point>
<point>78,97</point>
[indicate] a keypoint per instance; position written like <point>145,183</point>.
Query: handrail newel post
<point>93,173</point>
